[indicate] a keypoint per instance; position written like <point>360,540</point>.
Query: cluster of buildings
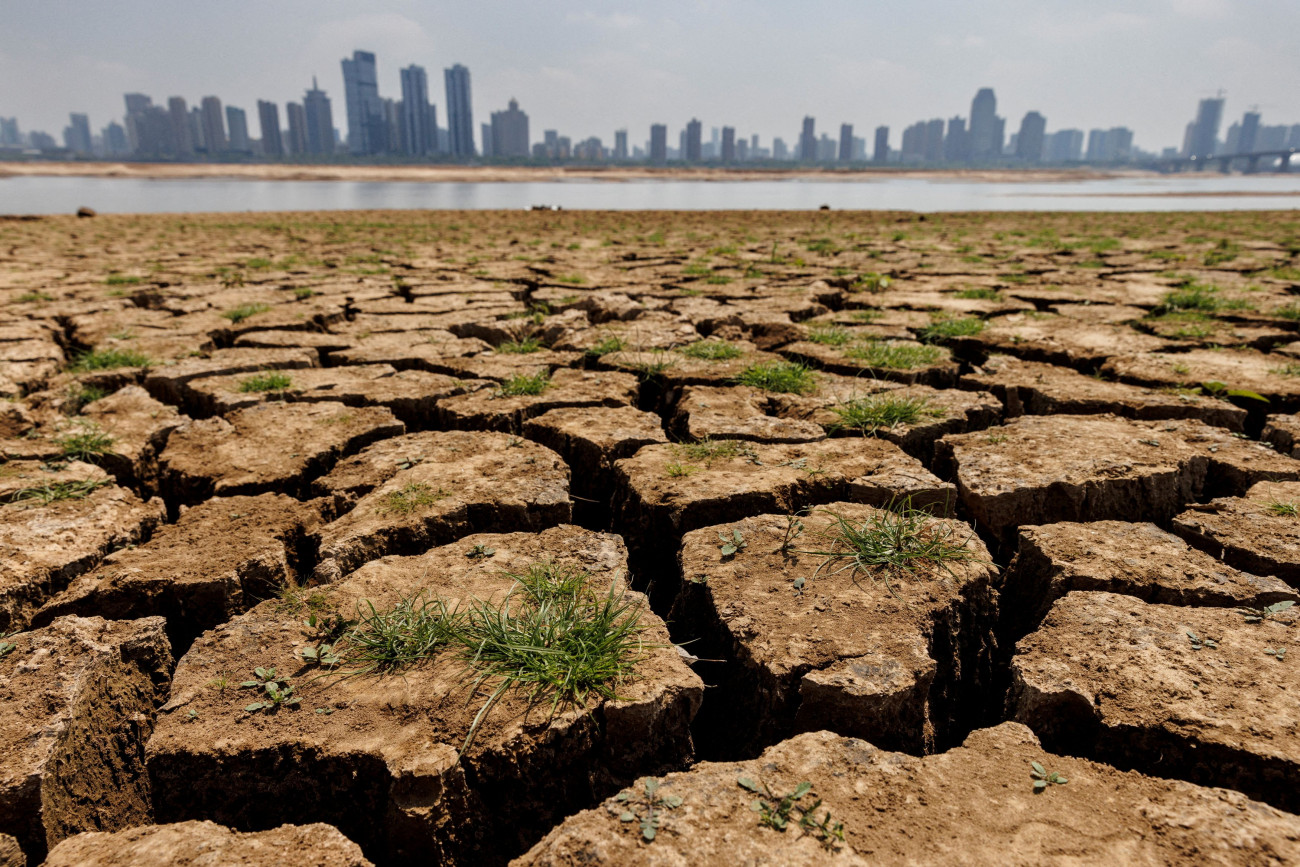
<point>375,127</point>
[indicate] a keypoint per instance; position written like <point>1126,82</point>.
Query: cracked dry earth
<point>962,538</point>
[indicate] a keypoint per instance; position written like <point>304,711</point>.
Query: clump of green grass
<point>867,315</point>
<point>712,350</point>
<point>525,384</point>
<point>34,297</point>
<point>1286,370</point>
<point>88,443</point>
<point>115,279</point>
<point>707,451</point>
<point>830,335</point>
<point>1224,251</point>
<point>53,492</point>
<point>782,377</point>
<point>892,543</point>
<point>520,347</point>
<point>271,380</point>
<point>80,396</point>
<point>979,293</point>
<point>613,343</point>
<point>892,355</point>
<point>244,311</point>
<point>1282,509</point>
<point>871,282</point>
<point>882,411</point>
<point>411,497</point>
<point>653,367</point>
<point>108,359</point>
<point>412,631</point>
<point>302,293</point>
<point>1193,296</point>
<point>947,328</point>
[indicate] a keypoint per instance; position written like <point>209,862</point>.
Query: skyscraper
<point>881,153</point>
<point>692,149</point>
<point>179,114</point>
<point>460,115</point>
<point>956,144</point>
<point>114,140</point>
<point>510,132</point>
<point>985,129</point>
<point>808,141</point>
<point>1029,141</point>
<point>620,144</point>
<point>418,119</point>
<point>297,129</point>
<point>658,143</point>
<point>1205,129</point>
<point>268,116</point>
<point>237,123</point>
<point>136,104</point>
<point>9,135</point>
<point>728,144</point>
<point>1248,140</point>
<point>319,119</point>
<point>933,150</point>
<point>367,126</point>
<point>76,137</point>
<point>846,142</point>
<point>214,125</point>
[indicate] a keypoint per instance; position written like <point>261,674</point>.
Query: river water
<point>62,195</point>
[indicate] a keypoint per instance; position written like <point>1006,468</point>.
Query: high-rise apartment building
<point>728,147</point>
<point>460,115</point>
<point>692,144</point>
<point>934,140</point>
<point>620,144</point>
<point>846,142</point>
<point>986,128</point>
<point>367,126</point>
<point>1064,146</point>
<point>237,126</point>
<point>880,154</point>
<point>808,141</point>
<point>178,113</point>
<point>320,121</point>
<point>1029,141</point>
<point>1247,141</point>
<point>956,143</point>
<point>419,120</point>
<point>510,132</point>
<point>76,136</point>
<point>297,142</point>
<point>268,117</point>
<point>658,143</point>
<point>1204,131</point>
<point>9,134</point>
<point>214,125</point>
<point>114,135</point>
<point>780,151</point>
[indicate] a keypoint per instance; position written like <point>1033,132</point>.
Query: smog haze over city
<point>590,68</point>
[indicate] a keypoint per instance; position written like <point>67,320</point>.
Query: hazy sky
<point>588,67</point>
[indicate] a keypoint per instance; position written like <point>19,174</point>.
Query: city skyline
<point>597,68</point>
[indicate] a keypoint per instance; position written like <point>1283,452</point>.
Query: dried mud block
<point>739,412</point>
<point>812,642</point>
<point>445,486</point>
<point>544,329</point>
<point>976,805</point>
<point>665,491</point>
<point>1275,377</point>
<point>46,542</point>
<point>1139,560</point>
<point>11,854</point>
<point>168,383</point>
<point>644,332</point>
<point>270,447</point>
<point>1190,693</point>
<point>209,844</point>
<point>249,548</point>
<point>501,366</point>
<point>1064,340</point>
<point>139,427</point>
<point>704,362</point>
<point>865,408</point>
<point>78,699</point>
<point>903,361</point>
<point>1049,469</point>
<point>412,395</point>
<point>491,409</point>
<point>380,760</point>
<point>1258,532</point>
<point>1283,433</point>
<point>408,350</point>
<point>1034,388</point>
<point>322,343</point>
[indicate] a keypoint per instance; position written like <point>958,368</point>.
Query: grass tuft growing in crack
<point>894,356</point>
<point>783,377</point>
<point>412,631</point>
<point>43,495</point>
<point>108,359</point>
<point>892,543</point>
<point>271,380</point>
<point>245,311</point>
<point>712,350</point>
<point>882,411</point>
<point>525,384</point>
<point>87,443</point>
<point>409,498</point>
<point>520,347</point>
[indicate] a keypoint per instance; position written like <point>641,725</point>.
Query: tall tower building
<point>956,144</point>
<point>985,129</point>
<point>214,125</point>
<point>510,132</point>
<point>808,141</point>
<point>297,144</point>
<point>460,116</point>
<point>692,149</point>
<point>268,117</point>
<point>846,142</point>
<point>1029,141</point>
<point>418,125</point>
<point>658,143</point>
<point>367,127</point>
<point>1205,129</point>
<point>319,119</point>
<point>1248,139</point>
<point>179,113</point>
<point>881,153</point>
<point>237,123</point>
<point>76,137</point>
<point>728,144</point>
<point>620,144</point>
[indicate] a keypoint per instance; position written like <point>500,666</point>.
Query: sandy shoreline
<point>524,174</point>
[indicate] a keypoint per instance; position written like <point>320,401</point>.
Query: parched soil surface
<point>878,502</point>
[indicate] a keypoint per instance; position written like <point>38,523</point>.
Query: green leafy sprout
<point>245,311</point>
<point>1043,778</point>
<point>276,691</point>
<point>87,443</point>
<point>1282,510</point>
<point>648,808</point>
<point>732,543</point>
<point>108,359</point>
<point>1259,615</point>
<point>520,347</point>
<point>412,497</point>
<point>776,812</point>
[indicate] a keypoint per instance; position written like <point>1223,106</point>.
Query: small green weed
<point>707,451</point>
<point>80,396</point>
<point>277,692</point>
<point>245,311</point>
<point>271,380</point>
<point>1201,643</point>
<point>1043,778</point>
<point>54,492</point>
<point>830,335</point>
<point>731,544</point>
<point>677,470</point>
<point>979,293</point>
<point>892,355</point>
<point>776,811</point>
<point>88,443</point>
<point>946,328</point>
<point>520,347</point>
<point>410,497</point>
<point>108,359</point>
<point>34,297</point>
<point>613,343</point>
<point>115,279</point>
<point>782,377</point>
<point>711,350</point>
<point>1282,510</point>
<point>648,807</point>
<point>1259,615</point>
